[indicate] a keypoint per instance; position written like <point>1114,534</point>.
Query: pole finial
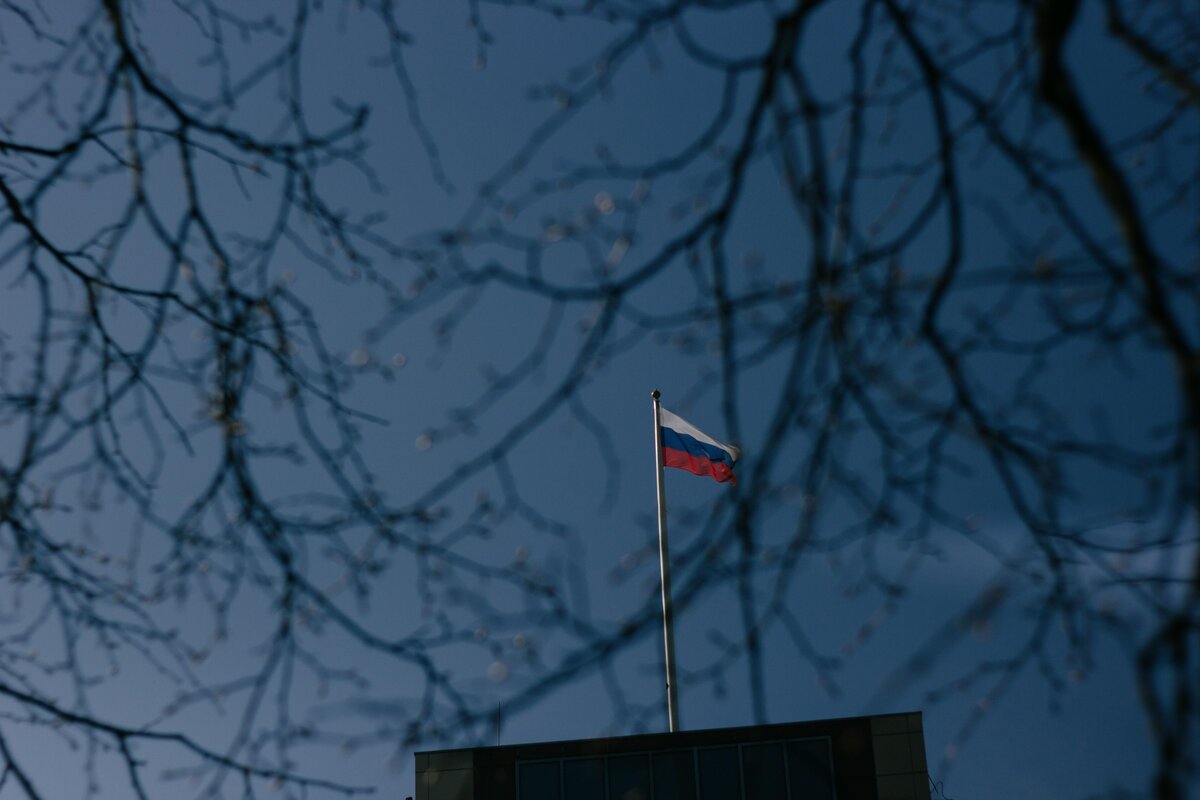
<point>655,394</point>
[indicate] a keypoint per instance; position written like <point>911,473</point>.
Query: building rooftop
<point>851,758</point>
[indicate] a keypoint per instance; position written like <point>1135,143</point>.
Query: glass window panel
<point>810,770</point>
<point>763,772</point>
<point>629,777</point>
<point>720,776</point>
<point>539,780</point>
<point>674,776</point>
<point>583,779</point>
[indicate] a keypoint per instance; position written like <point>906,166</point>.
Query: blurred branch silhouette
<point>181,440</point>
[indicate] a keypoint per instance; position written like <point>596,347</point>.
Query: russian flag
<point>686,447</point>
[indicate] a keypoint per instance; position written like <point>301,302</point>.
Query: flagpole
<point>664,566</point>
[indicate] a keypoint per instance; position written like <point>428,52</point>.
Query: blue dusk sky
<point>382,469</point>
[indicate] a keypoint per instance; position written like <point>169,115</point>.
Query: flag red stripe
<point>698,465</point>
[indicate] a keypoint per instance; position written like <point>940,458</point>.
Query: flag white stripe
<point>681,425</point>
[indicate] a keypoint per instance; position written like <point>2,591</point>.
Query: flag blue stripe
<point>674,440</point>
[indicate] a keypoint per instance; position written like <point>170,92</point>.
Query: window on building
<point>720,773</point>
<point>539,780</point>
<point>799,769</point>
<point>629,777</point>
<point>809,770</point>
<point>764,772</point>
<point>675,775</point>
<point>583,779</point>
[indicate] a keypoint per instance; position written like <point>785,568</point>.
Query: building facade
<point>854,758</point>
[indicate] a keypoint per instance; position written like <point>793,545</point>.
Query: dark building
<point>855,758</point>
